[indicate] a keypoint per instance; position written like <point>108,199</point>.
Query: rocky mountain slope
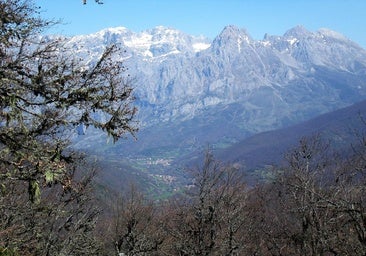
<point>277,80</point>
<point>192,91</point>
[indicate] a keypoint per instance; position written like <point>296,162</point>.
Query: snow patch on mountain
<point>282,78</point>
<point>156,43</point>
<point>200,46</point>
<point>333,34</point>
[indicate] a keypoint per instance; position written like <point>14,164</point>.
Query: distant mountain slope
<point>340,127</point>
<point>277,81</point>
<point>178,76</point>
<point>191,91</point>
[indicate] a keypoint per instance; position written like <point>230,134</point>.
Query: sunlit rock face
<point>267,83</point>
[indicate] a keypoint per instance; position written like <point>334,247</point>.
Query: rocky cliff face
<point>192,92</point>
<point>253,85</point>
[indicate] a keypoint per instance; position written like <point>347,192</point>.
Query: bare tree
<point>208,220</point>
<point>62,223</point>
<point>312,207</point>
<point>349,197</point>
<point>135,226</point>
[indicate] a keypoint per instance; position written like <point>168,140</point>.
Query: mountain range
<point>192,91</point>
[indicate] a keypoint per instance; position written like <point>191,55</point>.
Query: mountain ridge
<point>231,88</point>
<point>340,127</point>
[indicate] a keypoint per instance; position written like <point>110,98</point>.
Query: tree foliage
<point>45,93</point>
<point>97,1</point>
<point>62,223</point>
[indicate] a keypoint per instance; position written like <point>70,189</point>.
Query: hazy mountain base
<point>157,160</point>
<point>160,171</point>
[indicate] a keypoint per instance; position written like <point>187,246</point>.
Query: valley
<point>193,93</point>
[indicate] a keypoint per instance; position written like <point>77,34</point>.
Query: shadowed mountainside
<point>340,127</point>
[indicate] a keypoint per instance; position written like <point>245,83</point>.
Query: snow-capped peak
<point>114,30</point>
<point>157,42</point>
<point>298,32</point>
<point>230,32</point>
<point>333,34</point>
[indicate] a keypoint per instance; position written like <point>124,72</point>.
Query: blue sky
<point>209,17</point>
